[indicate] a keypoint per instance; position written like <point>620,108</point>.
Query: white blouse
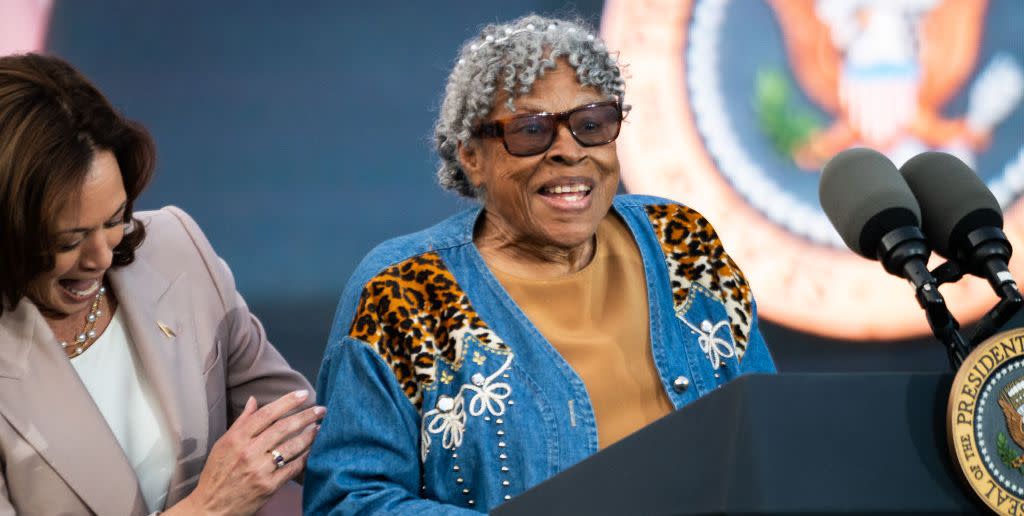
<point>117,383</point>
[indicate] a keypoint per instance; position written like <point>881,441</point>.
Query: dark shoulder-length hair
<point>53,121</point>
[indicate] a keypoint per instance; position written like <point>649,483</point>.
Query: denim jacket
<point>442,397</point>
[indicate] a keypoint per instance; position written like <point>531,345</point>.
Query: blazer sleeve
<point>253,366</point>
<point>6,509</point>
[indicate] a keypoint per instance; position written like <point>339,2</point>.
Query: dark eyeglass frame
<point>496,128</point>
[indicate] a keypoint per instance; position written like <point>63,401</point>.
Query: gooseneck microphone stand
<point>990,253</point>
<point>988,258</point>
<point>903,252</point>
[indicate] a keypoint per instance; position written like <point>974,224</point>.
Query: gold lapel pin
<point>166,329</point>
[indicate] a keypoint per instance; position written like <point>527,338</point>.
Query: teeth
<point>568,189</point>
<point>87,292</point>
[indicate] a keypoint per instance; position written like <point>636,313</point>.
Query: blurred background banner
<point>298,135</point>
<point>739,104</point>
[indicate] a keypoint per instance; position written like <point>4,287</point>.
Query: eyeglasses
<point>528,135</point>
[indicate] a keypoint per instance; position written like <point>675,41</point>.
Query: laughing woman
<point>477,358</point>
<point>130,368</point>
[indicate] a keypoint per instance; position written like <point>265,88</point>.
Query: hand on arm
<point>366,459</point>
<point>240,473</point>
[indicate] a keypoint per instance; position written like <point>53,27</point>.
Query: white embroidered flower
<point>451,424</point>
<point>490,395</point>
<point>716,348</point>
<point>448,417</point>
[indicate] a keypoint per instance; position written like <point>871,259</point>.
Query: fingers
<point>250,406</point>
<point>239,469</point>
<point>292,468</point>
<point>299,444</point>
<point>289,426</point>
<point>262,418</point>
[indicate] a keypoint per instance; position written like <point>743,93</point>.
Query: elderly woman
<point>133,378</point>
<point>474,359</point>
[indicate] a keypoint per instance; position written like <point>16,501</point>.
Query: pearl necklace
<point>88,334</point>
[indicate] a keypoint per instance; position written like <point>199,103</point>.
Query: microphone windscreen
<point>953,199</point>
<point>865,197</point>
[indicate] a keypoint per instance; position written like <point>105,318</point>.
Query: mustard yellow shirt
<point>597,319</point>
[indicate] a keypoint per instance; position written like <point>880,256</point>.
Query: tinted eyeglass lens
<point>529,134</point>
<point>595,125</point>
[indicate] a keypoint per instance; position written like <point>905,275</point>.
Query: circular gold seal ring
<point>985,421</point>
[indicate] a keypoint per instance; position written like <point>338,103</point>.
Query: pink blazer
<point>58,454</point>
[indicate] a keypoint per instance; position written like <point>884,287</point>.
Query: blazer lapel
<point>158,315</point>
<point>42,397</point>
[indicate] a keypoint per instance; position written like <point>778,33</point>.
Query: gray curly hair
<point>516,54</point>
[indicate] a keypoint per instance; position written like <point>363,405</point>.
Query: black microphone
<point>964,223</point>
<point>876,214</point>
<point>961,217</point>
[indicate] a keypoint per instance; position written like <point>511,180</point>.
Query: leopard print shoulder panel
<point>414,313</point>
<point>695,255</point>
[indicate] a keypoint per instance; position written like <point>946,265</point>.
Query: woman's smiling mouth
<point>567,194</point>
<point>80,289</point>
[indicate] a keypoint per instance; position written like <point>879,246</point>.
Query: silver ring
<point>278,459</point>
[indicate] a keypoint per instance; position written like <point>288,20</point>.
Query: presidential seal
<point>985,419</point>
<point>737,104</point>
